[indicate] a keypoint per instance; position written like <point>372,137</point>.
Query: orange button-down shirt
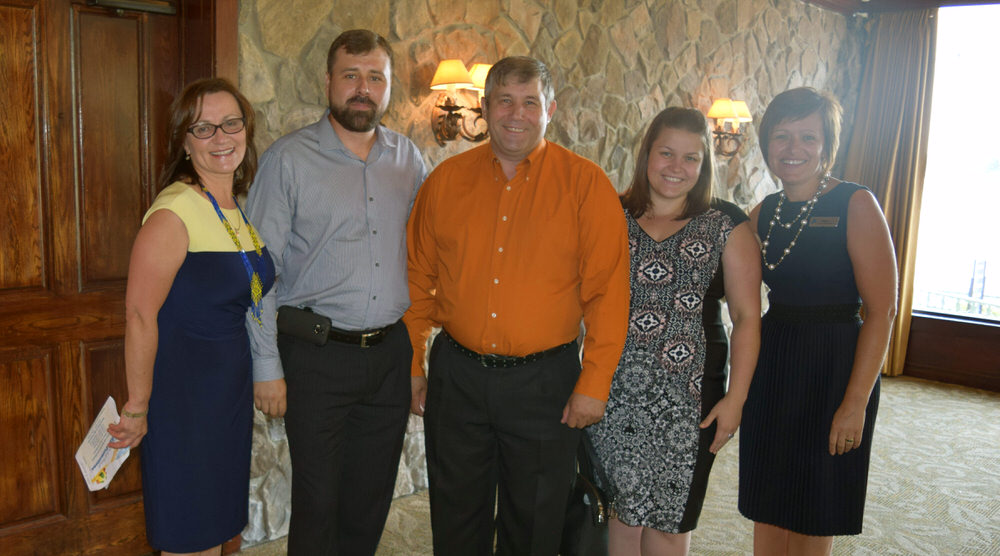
<point>511,267</point>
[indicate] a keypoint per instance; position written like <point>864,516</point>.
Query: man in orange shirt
<point>511,245</point>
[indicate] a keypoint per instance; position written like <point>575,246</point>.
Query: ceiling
<point>878,6</point>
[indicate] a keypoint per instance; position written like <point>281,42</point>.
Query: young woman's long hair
<point>636,199</point>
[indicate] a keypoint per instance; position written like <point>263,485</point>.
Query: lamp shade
<point>451,73</point>
<point>723,109</point>
<point>478,74</point>
<point>742,112</point>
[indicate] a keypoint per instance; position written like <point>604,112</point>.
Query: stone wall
<point>616,63</point>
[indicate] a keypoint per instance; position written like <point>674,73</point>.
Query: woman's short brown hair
<point>795,104</point>
<point>184,112</point>
<point>636,199</point>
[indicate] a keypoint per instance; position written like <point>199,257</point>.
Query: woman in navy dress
<point>669,412</point>
<point>196,277</point>
<point>807,427</point>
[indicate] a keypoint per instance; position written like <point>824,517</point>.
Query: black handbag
<point>585,529</point>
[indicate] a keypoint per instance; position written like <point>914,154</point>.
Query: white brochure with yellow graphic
<point>97,461</point>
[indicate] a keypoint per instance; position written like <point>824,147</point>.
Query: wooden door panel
<point>44,319</point>
<point>104,371</point>
<point>21,259</point>
<point>28,436</point>
<point>110,188</point>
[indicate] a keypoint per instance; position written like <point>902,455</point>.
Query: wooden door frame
<point>225,52</point>
<point>227,43</point>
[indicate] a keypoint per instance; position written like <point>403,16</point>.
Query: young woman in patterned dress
<point>669,412</point>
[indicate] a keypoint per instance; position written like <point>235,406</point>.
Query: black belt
<point>847,312</point>
<point>363,338</point>
<point>504,361</point>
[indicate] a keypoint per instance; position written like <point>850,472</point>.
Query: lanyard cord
<point>256,287</point>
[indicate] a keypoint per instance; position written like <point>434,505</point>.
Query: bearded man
<point>331,201</point>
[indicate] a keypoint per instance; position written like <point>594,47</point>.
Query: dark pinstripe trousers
<point>494,440</point>
<point>347,413</point>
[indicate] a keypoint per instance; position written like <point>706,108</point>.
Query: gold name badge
<point>824,221</point>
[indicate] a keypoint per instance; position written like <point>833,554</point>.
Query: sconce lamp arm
<point>727,143</point>
<point>449,123</point>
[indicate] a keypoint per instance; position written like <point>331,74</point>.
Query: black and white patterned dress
<point>672,372</point>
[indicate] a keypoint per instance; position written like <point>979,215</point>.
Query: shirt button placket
<point>501,237</point>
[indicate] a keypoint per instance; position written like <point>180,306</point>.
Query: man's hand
<point>418,387</point>
<point>269,397</point>
<point>582,410</point>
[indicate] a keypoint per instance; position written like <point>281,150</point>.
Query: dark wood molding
<point>215,22</point>
<point>227,42</point>
<point>955,351</point>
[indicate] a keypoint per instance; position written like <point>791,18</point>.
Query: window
<point>958,242</point>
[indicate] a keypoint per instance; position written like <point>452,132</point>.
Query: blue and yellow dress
<point>196,453</point>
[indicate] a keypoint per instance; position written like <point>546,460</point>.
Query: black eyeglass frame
<point>217,127</point>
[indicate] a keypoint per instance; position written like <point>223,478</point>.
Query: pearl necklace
<point>801,218</point>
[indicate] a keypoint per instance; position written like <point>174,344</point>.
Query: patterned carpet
<point>934,485</point>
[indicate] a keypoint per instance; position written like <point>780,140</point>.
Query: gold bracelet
<point>131,415</point>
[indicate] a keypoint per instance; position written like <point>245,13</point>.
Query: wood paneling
<point>84,97</point>
<point>110,97</point>
<point>104,370</point>
<point>954,351</point>
<point>22,255</point>
<point>28,436</point>
<point>164,69</point>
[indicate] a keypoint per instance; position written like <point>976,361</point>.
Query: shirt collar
<point>532,159</point>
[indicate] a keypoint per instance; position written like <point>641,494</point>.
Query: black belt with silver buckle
<point>363,338</point>
<point>493,360</point>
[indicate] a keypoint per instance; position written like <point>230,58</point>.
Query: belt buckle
<point>364,338</point>
<point>484,359</point>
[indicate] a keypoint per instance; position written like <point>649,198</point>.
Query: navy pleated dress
<point>808,338</point>
<point>196,454</point>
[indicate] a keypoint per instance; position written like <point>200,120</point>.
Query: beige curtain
<point>888,147</point>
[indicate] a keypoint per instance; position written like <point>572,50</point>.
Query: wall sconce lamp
<point>728,114</point>
<point>447,121</point>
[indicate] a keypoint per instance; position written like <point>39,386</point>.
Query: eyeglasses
<point>206,131</point>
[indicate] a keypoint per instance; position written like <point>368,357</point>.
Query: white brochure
<point>97,461</point>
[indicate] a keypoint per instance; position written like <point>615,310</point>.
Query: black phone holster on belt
<point>304,324</point>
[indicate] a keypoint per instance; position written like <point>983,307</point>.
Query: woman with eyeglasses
<point>196,278</point>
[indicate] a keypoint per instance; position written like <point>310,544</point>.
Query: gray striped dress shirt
<point>335,226</point>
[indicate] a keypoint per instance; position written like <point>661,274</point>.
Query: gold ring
<point>849,441</point>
